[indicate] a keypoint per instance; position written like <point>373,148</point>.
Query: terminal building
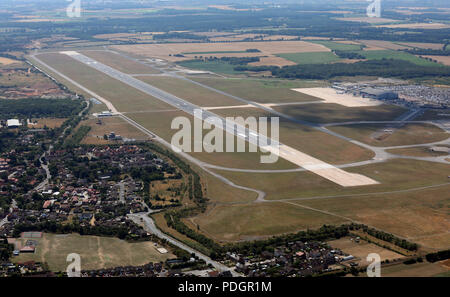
<point>378,94</point>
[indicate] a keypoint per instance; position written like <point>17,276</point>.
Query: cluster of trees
<point>383,68</point>
<point>40,108</point>
<point>5,249</point>
<point>77,137</point>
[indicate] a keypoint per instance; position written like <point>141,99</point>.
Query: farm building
<point>13,123</point>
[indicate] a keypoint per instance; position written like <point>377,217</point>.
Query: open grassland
<point>96,252</point>
<point>424,45</point>
<point>421,151</point>
<point>409,134</point>
<point>167,51</point>
<point>120,63</point>
<point>331,113</point>
<point>423,269</point>
<point>323,146</point>
<point>382,45</point>
<point>362,249</point>
<point>107,125</point>
<point>123,97</point>
<point>393,175</point>
<point>335,46</point>
<point>212,66</point>
<point>8,61</point>
<point>254,221</point>
<point>263,91</point>
<point>365,19</point>
<point>311,58</point>
<point>189,91</point>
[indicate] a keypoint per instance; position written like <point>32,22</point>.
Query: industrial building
<point>13,123</point>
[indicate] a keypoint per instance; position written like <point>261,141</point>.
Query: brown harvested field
<point>421,151</point>
<point>273,61</point>
<point>393,175</point>
<point>435,46</point>
<point>317,144</point>
<point>46,122</point>
<point>120,63</point>
<point>263,91</point>
<point>441,59</point>
<point>331,113</point>
<point>409,134</point>
<point>108,125</point>
<point>162,51</point>
<point>226,223</point>
<point>362,249</point>
<point>432,26</point>
<point>124,97</point>
<point>424,269</point>
<point>189,91</point>
<point>382,45</point>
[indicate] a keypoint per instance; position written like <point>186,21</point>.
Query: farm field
<point>46,122</point>
<point>424,269</point>
<point>168,50</point>
<point>263,91</point>
<point>108,125</point>
<point>392,175</point>
<point>407,135</point>
<point>390,54</point>
<point>418,26</point>
<point>123,97</point>
<point>96,252</point>
<point>339,46</point>
<point>441,59</point>
<point>189,91</point>
<point>332,113</point>
<point>120,63</point>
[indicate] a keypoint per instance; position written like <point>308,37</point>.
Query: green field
<point>263,90</point>
<point>95,252</point>
<point>311,58</point>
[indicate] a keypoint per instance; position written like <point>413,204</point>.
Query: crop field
<point>432,26</point>
<point>338,46</point>
<point>441,59</point>
<point>168,50</point>
<point>122,96</point>
<point>311,58</point>
<point>415,270</point>
<point>108,125</point>
<point>120,63</point>
<point>189,91</point>
<point>96,252</point>
<point>362,249</point>
<point>263,91</point>
<point>332,113</point>
<point>392,175</point>
<point>407,135</point>
<point>390,54</point>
